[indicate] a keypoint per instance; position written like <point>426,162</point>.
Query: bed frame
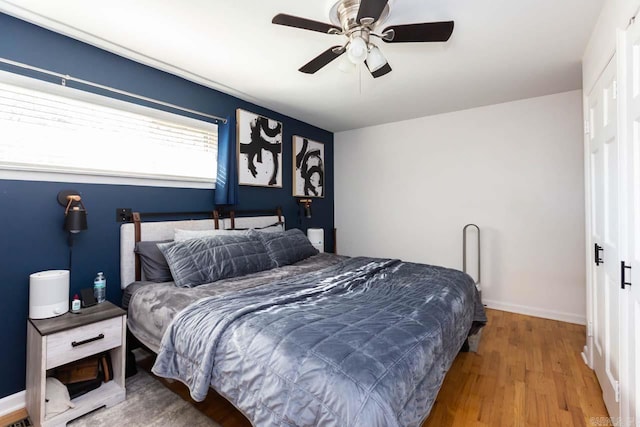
<point>152,230</point>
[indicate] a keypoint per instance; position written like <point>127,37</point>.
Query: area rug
<point>148,403</point>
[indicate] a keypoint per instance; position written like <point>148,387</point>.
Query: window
<point>55,129</point>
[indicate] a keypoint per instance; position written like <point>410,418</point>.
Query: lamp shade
<point>357,50</point>
<point>375,60</point>
<point>76,220</point>
<point>345,65</point>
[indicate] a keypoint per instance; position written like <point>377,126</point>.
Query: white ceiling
<point>500,50</point>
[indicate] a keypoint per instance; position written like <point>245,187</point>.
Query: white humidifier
<point>48,294</point>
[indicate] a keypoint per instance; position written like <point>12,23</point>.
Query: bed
<point>313,339</point>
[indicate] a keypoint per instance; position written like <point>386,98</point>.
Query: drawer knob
<point>87,341</point>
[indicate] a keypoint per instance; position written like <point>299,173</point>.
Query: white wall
<point>406,189</point>
<point>615,14</point>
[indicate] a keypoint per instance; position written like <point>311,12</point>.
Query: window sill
<point>29,175</point>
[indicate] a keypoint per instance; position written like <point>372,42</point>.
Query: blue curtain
<point>227,180</point>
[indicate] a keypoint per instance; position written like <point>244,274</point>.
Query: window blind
<point>52,133</point>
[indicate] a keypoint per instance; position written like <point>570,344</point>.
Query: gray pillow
<point>286,247</point>
<point>179,235</point>
<point>275,227</point>
<point>197,261</point>
<point>153,263</point>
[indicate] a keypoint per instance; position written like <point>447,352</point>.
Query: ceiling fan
<point>359,21</point>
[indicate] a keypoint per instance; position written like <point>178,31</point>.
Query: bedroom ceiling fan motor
<point>345,13</point>
<point>359,47</point>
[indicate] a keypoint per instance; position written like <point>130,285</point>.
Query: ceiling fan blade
<point>385,69</point>
<point>305,24</point>
<point>371,9</point>
<point>425,32</point>
<point>323,59</point>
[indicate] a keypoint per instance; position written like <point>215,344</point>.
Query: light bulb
<point>357,50</point>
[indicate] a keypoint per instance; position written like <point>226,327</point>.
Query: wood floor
<point>13,417</point>
<point>527,372</point>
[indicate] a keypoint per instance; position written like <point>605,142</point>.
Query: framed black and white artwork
<point>259,150</point>
<point>308,167</point>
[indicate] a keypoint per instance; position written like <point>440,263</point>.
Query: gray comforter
<point>153,306</point>
<point>365,342</point>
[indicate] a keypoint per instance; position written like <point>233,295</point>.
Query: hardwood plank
<point>538,376</point>
<point>527,372</point>
<point>13,417</point>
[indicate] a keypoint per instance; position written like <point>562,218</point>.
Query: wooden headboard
<point>154,230</point>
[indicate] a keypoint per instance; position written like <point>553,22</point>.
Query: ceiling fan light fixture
<point>375,59</point>
<point>345,65</point>
<point>357,50</point>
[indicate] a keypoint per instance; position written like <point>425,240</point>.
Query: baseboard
<point>13,403</point>
<point>536,312</point>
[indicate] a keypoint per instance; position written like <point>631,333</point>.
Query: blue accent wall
<point>31,236</point>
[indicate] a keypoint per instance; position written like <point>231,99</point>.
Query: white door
<point>603,148</point>
<point>630,296</point>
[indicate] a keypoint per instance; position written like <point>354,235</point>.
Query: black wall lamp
<point>75,215</point>
<point>306,204</point>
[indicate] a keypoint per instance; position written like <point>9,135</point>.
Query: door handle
<point>623,269</point>
<point>596,253</point>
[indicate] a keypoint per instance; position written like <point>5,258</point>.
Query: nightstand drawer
<point>76,343</point>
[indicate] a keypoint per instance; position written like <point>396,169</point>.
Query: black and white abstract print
<point>308,173</point>
<point>259,150</point>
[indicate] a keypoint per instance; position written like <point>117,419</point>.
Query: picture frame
<point>308,167</point>
<point>259,149</point>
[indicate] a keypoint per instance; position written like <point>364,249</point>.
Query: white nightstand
<point>59,340</point>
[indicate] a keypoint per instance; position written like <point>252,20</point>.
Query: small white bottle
<point>75,304</point>
<point>100,287</point>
